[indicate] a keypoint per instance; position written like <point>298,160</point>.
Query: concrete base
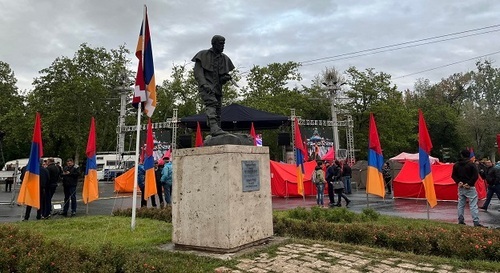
<point>210,209</point>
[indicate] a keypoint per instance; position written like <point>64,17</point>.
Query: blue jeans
<point>471,194</point>
<point>347,184</point>
<point>320,188</point>
<point>491,190</point>
<point>168,193</point>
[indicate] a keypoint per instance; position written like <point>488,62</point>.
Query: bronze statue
<point>211,71</point>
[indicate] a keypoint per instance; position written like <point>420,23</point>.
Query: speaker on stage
<point>185,141</point>
<point>284,139</point>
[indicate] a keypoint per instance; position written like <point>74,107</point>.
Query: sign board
<point>250,175</point>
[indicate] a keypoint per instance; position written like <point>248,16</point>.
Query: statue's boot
<point>215,129</point>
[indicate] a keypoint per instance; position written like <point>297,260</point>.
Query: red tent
<point>407,184</point>
<point>330,155</point>
<point>284,179</point>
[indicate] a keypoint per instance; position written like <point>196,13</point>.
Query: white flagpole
<point>138,132</point>
<point>136,166</point>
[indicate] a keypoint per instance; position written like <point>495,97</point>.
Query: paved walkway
<point>319,258</point>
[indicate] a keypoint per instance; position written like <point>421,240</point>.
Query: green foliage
<point>13,122</point>
<point>419,237</point>
<point>70,92</point>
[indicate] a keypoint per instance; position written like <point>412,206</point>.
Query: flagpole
<point>138,131</point>
<point>136,165</point>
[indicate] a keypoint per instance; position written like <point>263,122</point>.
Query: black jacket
<point>70,179</point>
<point>493,176</point>
<point>333,173</point>
<point>346,170</point>
<point>465,171</point>
<point>44,178</point>
<point>54,173</point>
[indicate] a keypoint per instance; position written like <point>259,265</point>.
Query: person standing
<point>167,179</point>
<point>346,177</point>
<point>318,178</point>
<point>54,174</point>
<point>330,170</point>
<point>338,185</point>
<point>211,71</point>
<point>465,175</point>
<point>159,189</point>
<point>70,176</point>
<point>493,181</point>
<point>9,181</point>
<point>386,173</point>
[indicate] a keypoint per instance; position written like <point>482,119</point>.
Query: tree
<point>373,92</point>
<point>485,124</point>
<point>71,91</point>
<point>13,121</point>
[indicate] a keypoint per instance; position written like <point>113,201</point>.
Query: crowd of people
<point>50,175</point>
<point>163,177</point>
<point>337,177</point>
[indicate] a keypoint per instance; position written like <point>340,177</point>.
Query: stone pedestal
<point>221,198</point>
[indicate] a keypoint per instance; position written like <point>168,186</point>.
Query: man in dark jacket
<point>332,174</point>
<point>50,189</point>
<point>70,180</point>
<point>465,174</point>
<point>493,180</point>
<point>346,177</point>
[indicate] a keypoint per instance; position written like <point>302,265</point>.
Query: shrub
<point>445,240</point>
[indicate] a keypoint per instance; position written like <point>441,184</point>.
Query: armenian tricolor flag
<point>145,86</point>
<point>300,155</point>
<point>424,150</point>
<point>90,185</point>
<point>29,194</point>
<point>150,178</point>
<point>374,178</point>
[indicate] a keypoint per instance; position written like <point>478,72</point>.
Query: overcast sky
<point>258,32</point>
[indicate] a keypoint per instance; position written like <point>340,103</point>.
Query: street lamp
<point>333,88</point>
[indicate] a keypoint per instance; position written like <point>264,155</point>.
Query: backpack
<point>317,177</point>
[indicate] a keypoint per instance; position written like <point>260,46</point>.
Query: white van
<point>110,166</point>
<point>21,162</point>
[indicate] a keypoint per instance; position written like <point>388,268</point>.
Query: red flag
<point>150,178</point>
<point>90,185</point>
<point>374,179</point>
<point>300,155</point>
<point>425,146</point>
<point>29,193</point>
<point>254,136</point>
<point>145,86</point>
<point>199,136</point>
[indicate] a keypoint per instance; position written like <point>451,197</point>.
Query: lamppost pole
<point>333,88</point>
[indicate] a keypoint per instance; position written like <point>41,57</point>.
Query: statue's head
<point>218,42</point>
